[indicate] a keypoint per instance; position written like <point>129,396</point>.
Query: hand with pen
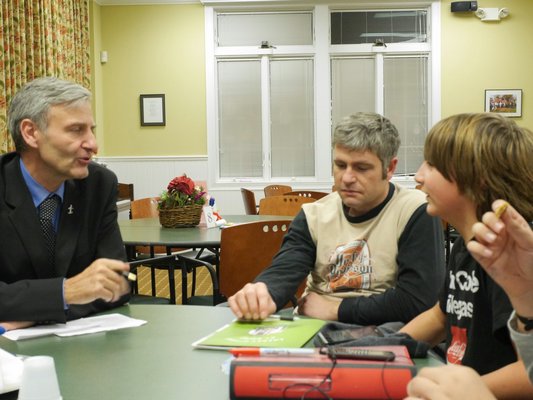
<point>504,248</point>
<point>104,279</point>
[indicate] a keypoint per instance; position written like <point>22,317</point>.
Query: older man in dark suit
<point>60,246</point>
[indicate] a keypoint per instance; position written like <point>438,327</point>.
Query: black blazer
<point>88,229</point>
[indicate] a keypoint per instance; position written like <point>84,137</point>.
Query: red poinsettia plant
<point>182,191</point>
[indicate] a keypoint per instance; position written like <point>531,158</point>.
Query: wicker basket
<point>180,217</point>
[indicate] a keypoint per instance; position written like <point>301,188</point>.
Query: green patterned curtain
<point>41,38</point>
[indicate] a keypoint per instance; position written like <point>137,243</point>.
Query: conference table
<point>149,232</point>
<point>153,361</point>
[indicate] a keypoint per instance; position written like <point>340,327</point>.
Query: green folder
<point>268,333</point>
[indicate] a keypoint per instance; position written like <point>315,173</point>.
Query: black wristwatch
<point>528,323</point>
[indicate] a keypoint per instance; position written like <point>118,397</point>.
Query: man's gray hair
<point>34,100</point>
<point>364,131</point>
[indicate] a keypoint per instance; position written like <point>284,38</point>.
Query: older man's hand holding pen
<point>103,279</point>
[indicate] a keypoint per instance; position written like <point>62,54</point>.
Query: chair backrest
<point>248,197</point>
<point>247,249</point>
<point>276,190</point>
<point>125,191</point>
<point>307,193</point>
<point>283,205</point>
<point>146,208</point>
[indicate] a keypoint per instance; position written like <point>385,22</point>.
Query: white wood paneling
<point>151,175</point>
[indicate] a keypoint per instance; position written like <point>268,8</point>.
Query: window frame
<point>322,52</point>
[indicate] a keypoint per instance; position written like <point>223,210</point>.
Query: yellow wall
<point>96,74</point>
<point>480,55</point>
<point>160,49</point>
<point>153,49</point>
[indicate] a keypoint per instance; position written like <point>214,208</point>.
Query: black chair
<point>170,263</point>
<point>137,298</point>
<point>145,208</point>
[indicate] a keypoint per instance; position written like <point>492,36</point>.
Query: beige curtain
<point>41,38</point>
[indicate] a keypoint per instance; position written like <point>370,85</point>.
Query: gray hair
<point>34,100</point>
<point>364,131</point>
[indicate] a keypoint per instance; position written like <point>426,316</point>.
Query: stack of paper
<point>82,326</point>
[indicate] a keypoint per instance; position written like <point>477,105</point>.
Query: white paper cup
<point>1,377</point>
<point>39,379</point>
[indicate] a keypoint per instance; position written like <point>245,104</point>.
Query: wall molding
<point>103,159</point>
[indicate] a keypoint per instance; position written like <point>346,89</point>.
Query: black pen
<point>284,317</point>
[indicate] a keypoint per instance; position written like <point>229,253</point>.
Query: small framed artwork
<point>152,109</point>
<point>507,102</point>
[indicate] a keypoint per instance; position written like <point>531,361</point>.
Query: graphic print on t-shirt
<point>350,267</point>
<point>457,348</point>
<point>463,285</point>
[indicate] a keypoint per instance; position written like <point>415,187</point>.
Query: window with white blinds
<point>279,81</point>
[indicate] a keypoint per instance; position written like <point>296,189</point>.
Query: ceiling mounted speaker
<point>460,6</point>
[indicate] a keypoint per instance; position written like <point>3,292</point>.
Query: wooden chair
<point>146,208</point>
<point>283,205</point>
<point>276,190</point>
<point>307,193</point>
<point>248,197</point>
<point>125,191</point>
<point>246,250</point>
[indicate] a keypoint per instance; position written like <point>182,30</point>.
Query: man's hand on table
<point>252,302</point>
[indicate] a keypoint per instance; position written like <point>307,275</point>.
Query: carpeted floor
<point>203,283</point>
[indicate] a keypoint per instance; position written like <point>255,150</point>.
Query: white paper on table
<point>10,372</point>
<point>82,326</point>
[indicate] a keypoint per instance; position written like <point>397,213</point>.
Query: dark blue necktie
<point>47,211</point>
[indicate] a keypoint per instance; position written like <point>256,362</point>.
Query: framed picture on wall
<point>507,102</point>
<point>152,109</point>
